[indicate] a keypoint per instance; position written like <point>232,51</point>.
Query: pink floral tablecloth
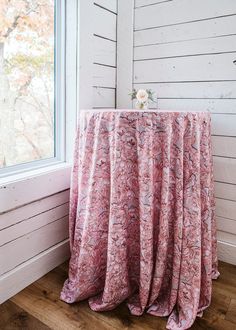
<point>142,224</point>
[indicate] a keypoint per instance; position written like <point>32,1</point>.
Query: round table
<point>142,223</point>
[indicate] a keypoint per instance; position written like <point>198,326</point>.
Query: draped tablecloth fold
<point>142,224</point>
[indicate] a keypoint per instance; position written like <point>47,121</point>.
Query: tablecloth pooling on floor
<point>142,224</point>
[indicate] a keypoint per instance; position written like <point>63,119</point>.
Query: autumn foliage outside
<point>26,81</point>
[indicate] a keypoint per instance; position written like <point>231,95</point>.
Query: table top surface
<point>139,110</point>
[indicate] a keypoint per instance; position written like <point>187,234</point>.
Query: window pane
<point>26,81</point>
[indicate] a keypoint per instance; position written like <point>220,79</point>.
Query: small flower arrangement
<point>142,97</point>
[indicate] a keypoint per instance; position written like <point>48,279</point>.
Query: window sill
<point>23,188</point>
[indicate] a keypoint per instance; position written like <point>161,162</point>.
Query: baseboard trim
<point>31,270</point>
<point>227,252</point>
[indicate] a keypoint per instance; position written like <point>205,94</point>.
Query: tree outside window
<point>26,81</point>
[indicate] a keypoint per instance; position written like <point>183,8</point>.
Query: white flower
<point>142,96</point>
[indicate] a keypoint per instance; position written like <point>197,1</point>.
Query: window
<point>32,48</point>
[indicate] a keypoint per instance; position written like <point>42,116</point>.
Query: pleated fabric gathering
<point>142,214</point>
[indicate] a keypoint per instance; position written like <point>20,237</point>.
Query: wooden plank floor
<point>38,307</point>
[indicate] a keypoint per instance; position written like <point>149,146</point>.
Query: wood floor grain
<point>38,307</point>
<point>13,317</point>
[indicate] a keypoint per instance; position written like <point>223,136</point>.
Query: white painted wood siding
<point>104,54</point>
<point>125,35</point>
<point>184,51</point>
<point>31,235</point>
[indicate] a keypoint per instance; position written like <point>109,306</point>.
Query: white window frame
<point>50,176</point>
<point>65,58</point>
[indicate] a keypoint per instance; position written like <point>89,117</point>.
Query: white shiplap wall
<point>184,51</point>
<point>33,229</point>
<point>104,53</point>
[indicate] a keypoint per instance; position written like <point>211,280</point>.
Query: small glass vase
<point>141,105</point>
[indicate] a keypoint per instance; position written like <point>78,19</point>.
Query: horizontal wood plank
<point>141,3</point>
<point>215,106</point>
<point>223,124</point>
<point>31,210</point>
<point>205,29</point>
<point>104,97</point>
<point>227,252</point>
<point>226,237</point>
<point>186,48</point>
<point>225,190</point>
<point>108,4</point>
<point>224,169</point>
<point>33,223</point>
<point>224,146</point>
<point>104,51</point>
<point>231,313</point>
<point>23,248</point>
<point>104,23</point>
<point>104,76</point>
<point>124,77</point>
<point>226,225</point>
<point>31,270</point>
<point>23,191</point>
<point>14,317</point>
<point>226,209</point>
<point>197,68</point>
<point>174,12</point>
<point>193,90</point>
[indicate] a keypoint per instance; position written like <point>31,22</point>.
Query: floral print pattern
<point>142,223</point>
